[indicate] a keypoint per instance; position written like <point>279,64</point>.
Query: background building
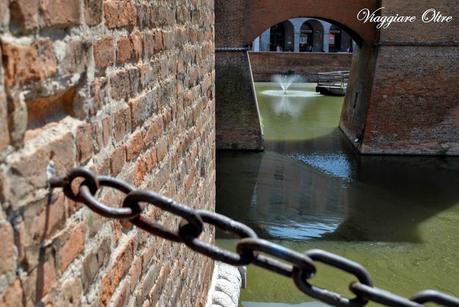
<point>304,35</point>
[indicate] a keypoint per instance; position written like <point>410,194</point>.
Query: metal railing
<point>333,78</point>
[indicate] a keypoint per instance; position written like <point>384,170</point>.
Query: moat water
<point>397,216</point>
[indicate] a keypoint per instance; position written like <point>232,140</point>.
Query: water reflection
<point>392,214</point>
<point>284,105</point>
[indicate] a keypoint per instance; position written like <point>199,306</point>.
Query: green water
<point>398,216</point>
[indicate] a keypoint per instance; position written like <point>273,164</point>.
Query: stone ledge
<point>226,285</point>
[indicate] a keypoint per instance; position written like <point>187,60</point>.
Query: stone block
<point>119,13</point>
<point>121,264</point>
<point>93,12</point>
<point>26,63</point>
<point>24,16</point>
<point>60,13</point>
<point>104,52</point>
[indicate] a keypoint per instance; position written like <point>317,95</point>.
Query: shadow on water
<point>321,189</point>
<point>397,216</point>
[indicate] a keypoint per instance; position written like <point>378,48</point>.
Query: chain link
<point>250,249</point>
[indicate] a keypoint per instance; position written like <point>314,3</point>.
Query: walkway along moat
<point>398,216</point>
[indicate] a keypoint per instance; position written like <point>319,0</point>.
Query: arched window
<point>306,38</point>
<point>282,36</point>
<point>277,40</point>
<point>311,36</point>
<point>335,39</point>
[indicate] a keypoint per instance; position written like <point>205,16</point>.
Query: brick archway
<point>239,22</point>
<point>262,14</point>
<point>392,68</point>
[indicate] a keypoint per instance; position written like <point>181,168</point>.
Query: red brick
<point>161,149</point>
<point>139,111</point>
<point>106,130</point>
<point>99,90</point>
<point>140,171</point>
<point>12,295</point>
<point>85,149</point>
<point>125,83</point>
<point>61,13</point>
<point>135,145</point>
<point>155,292</point>
<point>117,160</point>
<point>148,44</point>
<point>137,44</point>
<point>148,76</point>
<point>119,13</point>
<point>122,296</point>
<point>97,127</point>
<point>70,294</point>
<point>4,135</point>
<point>27,63</point>
<point>121,123</point>
<point>155,129</point>
<point>104,54</point>
<point>121,264</point>
<point>153,43</point>
<point>135,272</point>
<point>46,274</point>
<point>150,160</point>
<point>24,15</point>
<point>72,246</point>
<point>76,57</point>
<point>40,222</point>
<point>7,256</point>
<point>119,85</point>
<point>93,12</point>
<point>94,261</point>
<point>159,41</point>
<point>125,50</point>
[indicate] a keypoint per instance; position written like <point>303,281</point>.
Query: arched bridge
<point>262,14</point>
<point>395,102</point>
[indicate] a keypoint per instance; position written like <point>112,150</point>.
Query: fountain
<point>290,98</point>
<point>285,81</point>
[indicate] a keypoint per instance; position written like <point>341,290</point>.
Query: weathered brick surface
<point>258,15</point>
<point>60,13</point>
<point>25,63</point>
<point>124,88</point>
<point>119,13</point>
<point>237,118</point>
<point>418,31</point>
<point>104,52</point>
<point>24,15</point>
<point>93,12</point>
<point>414,102</point>
<point>410,106</point>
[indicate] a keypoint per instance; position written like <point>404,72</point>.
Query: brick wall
<point>267,64</point>
<point>124,87</point>
<point>413,105</point>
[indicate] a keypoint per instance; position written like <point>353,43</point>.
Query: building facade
<point>304,35</point>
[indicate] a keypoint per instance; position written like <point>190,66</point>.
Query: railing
<point>333,78</point>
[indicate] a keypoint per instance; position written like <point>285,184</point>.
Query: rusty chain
<point>250,249</point>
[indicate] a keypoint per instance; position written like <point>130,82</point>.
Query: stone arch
<point>315,35</point>
<point>306,37</point>
<point>261,14</point>
<point>241,21</point>
<point>282,37</point>
<point>339,40</point>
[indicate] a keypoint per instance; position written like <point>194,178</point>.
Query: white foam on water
<point>289,93</point>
